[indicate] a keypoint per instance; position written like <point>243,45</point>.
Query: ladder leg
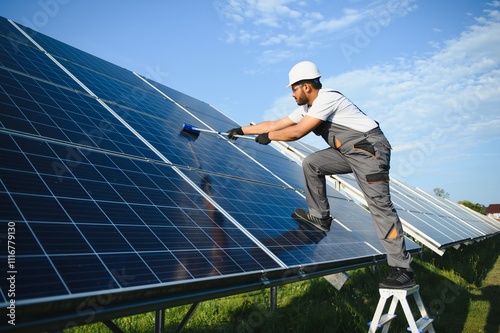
<point>392,310</point>
<point>423,311</point>
<point>394,304</point>
<point>420,305</point>
<point>409,316</point>
<point>378,314</point>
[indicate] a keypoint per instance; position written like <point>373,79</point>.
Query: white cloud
<point>294,24</point>
<point>278,39</point>
<point>494,4</point>
<point>349,18</point>
<point>270,57</point>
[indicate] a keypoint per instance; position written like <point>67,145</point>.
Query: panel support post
<point>274,298</point>
<point>159,321</point>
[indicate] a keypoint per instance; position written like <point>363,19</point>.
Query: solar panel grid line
<point>465,213</point>
<point>288,151</point>
<point>437,223</point>
<point>170,99</point>
<point>421,236</point>
<point>95,253</point>
<point>39,244</point>
<point>491,222</point>
<point>35,64</point>
<point>473,214</point>
<point>422,204</point>
<point>445,231</point>
<point>440,231</point>
<point>76,91</point>
<point>341,224</point>
<point>350,190</point>
<point>120,232</point>
<point>10,32</point>
<point>162,157</point>
<point>80,145</point>
<point>374,249</point>
<point>90,296</point>
<point>64,69</point>
<point>447,212</point>
<point>53,59</point>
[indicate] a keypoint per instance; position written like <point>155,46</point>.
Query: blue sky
<point>428,71</point>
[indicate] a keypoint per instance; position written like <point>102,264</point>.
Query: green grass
<point>461,291</point>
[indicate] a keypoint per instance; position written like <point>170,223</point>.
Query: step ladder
<point>424,324</point>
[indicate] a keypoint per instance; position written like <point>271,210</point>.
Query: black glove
<point>235,131</point>
<point>263,139</point>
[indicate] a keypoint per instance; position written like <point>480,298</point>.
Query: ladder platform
<point>422,324</point>
<point>384,319</point>
<point>399,292</point>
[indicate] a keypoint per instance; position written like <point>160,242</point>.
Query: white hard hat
<point>304,70</point>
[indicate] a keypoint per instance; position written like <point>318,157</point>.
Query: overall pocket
<point>379,152</point>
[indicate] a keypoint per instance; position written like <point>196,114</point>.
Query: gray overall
<point>367,155</point>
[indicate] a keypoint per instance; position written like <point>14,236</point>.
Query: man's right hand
<point>235,131</point>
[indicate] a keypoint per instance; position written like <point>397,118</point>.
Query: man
<point>357,145</point>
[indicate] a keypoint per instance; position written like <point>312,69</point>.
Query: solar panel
<point>121,210</point>
<point>107,197</point>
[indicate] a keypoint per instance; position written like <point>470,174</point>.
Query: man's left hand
<point>263,139</point>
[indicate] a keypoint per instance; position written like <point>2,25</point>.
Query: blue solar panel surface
<point>100,183</point>
<point>109,207</point>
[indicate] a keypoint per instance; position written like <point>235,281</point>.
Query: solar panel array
<point>102,195</point>
<point>436,222</point>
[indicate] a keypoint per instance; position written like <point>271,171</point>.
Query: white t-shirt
<point>332,106</point>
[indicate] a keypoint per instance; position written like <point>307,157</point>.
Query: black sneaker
<point>399,278</point>
<point>320,223</point>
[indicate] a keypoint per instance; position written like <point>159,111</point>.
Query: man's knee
<point>308,165</point>
<point>382,203</point>
<point>306,160</point>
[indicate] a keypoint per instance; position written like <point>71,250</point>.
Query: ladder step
<point>405,291</point>
<point>422,324</point>
<point>384,319</point>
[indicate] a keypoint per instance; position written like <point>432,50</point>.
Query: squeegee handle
<point>192,128</point>
<point>241,136</point>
